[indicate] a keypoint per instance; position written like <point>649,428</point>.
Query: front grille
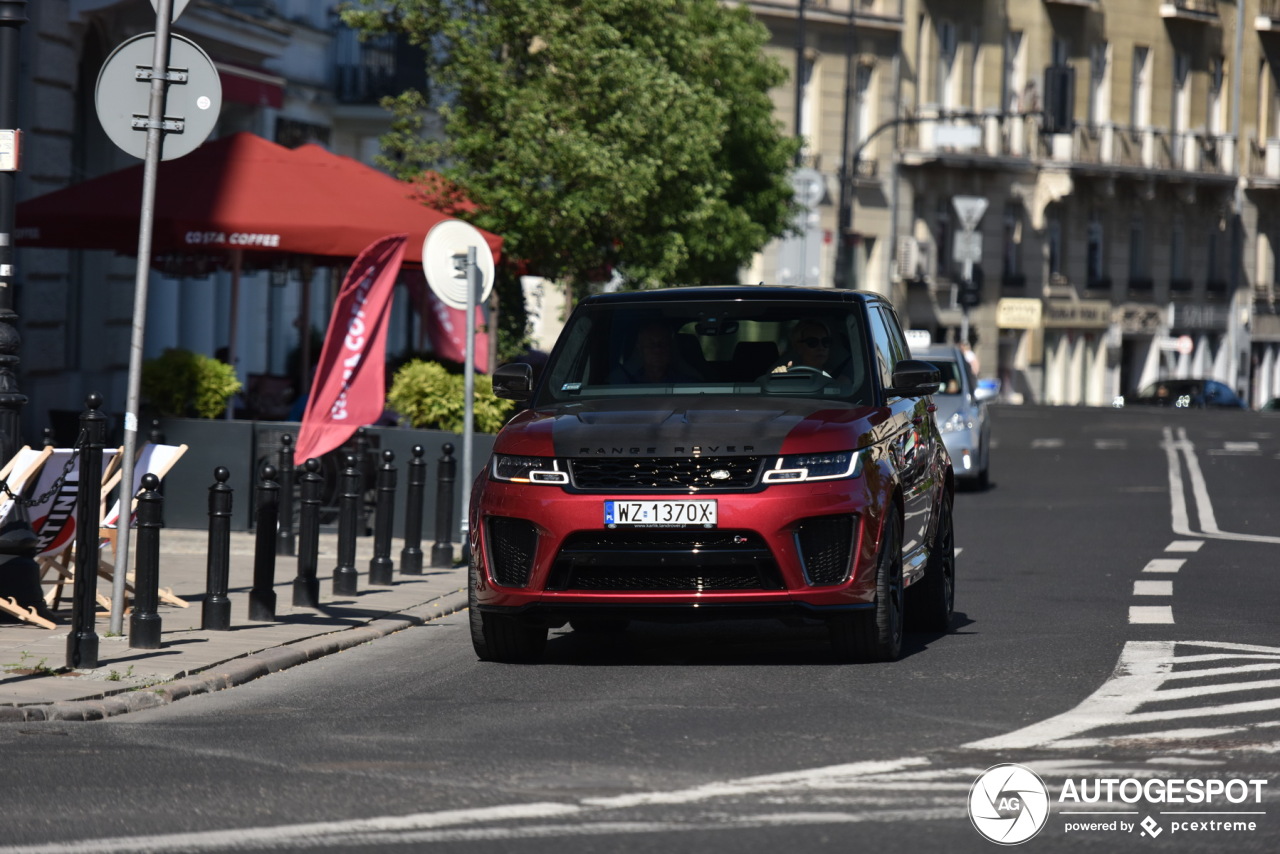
<point>674,474</point>
<point>664,560</point>
<point>512,544</point>
<point>826,548</point>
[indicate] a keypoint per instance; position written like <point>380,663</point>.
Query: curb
<point>237,671</point>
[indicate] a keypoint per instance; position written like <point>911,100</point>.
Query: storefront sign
<point>1139,319</point>
<point>1207,317</point>
<point>1018,313</point>
<point>1078,314</point>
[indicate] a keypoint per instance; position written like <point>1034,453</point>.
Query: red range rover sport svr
<point>695,453</point>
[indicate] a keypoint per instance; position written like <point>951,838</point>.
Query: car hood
<point>671,427</point>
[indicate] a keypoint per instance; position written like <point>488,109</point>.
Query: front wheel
<point>499,637</point>
<point>876,634</point>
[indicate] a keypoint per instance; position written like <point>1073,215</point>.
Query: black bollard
<point>284,537</point>
<point>144,622</point>
<point>215,613</point>
<point>442,551</point>
<point>82,642</point>
<point>306,586</point>
<point>345,574</point>
<point>363,444</point>
<point>156,436</point>
<point>48,440</point>
<point>262,597</point>
<point>411,554</point>
<point>380,567</point>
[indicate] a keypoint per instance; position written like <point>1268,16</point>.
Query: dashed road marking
<point>1151,614</point>
<point>1153,588</point>
<point>1164,564</point>
<point>1047,443</point>
<point>1110,444</point>
<point>1184,546</point>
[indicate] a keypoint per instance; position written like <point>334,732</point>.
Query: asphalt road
<point>1117,589</point>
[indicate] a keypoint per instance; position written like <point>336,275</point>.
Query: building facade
<point>1121,157</point>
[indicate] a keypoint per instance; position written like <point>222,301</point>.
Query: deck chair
<point>17,473</point>
<point>54,519</point>
<point>152,459</point>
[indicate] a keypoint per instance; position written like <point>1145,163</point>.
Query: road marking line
<point>1178,499</point>
<point>1164,564</point>
<point>1047,443</point>
<point>1151,614</point>
<point>1240,447</point>
<point>1153,588</point>
<point>1110,444</point>
<point>1184,546</point>
<point>957,552</point>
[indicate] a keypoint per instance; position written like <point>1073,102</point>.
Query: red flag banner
<point>447,330</point>
<point>349,389</point>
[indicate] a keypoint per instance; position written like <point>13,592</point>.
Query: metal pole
<point>155,116</point>
<point>262,598</point>
<point>411,554</point>
<point>82,641</point>
<point>468,418</point>
<point>12,17</point>
<point>381,569</point>
<point>215,612</point>
<point>799,114</point>
<point>306,587</point>
<point>145,621</point>
<point>345,576</point>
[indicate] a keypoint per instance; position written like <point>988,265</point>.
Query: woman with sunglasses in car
<point>810,348</point>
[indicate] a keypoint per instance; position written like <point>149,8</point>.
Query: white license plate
<point>660,513</point>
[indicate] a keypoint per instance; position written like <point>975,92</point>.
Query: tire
<point>498,637</point>
<point>599,625</point>
<point>932,599</point>
<point>876,634</point>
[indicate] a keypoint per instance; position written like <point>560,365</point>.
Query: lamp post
<point>12,17</point>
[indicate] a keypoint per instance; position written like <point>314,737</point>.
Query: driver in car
<point>810,348</point>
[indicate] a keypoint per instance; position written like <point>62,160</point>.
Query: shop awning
<point>255,86</point>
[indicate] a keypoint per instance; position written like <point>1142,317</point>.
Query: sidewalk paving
<point>36,685</point>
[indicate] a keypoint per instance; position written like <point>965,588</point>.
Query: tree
<point>634,136</point>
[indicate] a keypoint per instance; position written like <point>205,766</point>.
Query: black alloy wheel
<point>932,599</point>
<point>876,634</point>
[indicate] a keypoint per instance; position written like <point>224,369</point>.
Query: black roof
<point>734,292</point>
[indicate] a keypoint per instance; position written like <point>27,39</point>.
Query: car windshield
<point>741,347</point>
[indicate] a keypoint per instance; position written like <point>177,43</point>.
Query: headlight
<point>956,422</point>
<point>545,470</point>
<point>796,468</point>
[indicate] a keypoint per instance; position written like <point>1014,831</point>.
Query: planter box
<point>245,446</point>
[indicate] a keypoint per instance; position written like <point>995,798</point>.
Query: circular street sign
<point>444,260</point>
<point>810,187</point>
<point>191,107</point>
<point>1186,344</point>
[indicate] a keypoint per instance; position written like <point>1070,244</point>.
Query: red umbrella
<point>240,193</point>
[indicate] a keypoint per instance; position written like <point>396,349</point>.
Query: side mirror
<point>983,393</point>
<point>513,381</point>
<point>914,378</point>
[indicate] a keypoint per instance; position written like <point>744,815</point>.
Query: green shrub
<point>431,398</point>
<point>182,384</point>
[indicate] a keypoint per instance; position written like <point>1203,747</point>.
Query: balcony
<point>873,14</point>
<point>1263,169</point>
<point>1199,11</point>
<point>1180,286</point>
<point>366,72</point>
<point>936,132</point>
<point>1108,144</point>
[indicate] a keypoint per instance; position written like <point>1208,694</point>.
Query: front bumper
<point>965,448</point>
<point>789,549</point>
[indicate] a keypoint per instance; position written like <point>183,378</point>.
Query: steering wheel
<point>806,369</point>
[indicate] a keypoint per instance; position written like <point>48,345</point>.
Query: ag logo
<point>1008,804</point>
